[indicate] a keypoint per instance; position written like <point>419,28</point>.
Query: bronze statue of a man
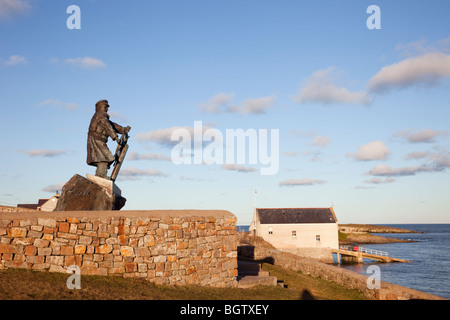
<point>100,129</point>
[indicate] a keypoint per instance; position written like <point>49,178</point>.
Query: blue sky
<point>362,114</point>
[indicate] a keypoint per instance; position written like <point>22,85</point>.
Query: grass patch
<point>19,284</point>
<point>342,236</point>
<point>312,288</point>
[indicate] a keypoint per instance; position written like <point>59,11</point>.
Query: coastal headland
<point>363,234</point>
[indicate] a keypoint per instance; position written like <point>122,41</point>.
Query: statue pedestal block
<point>91,193</point>
<point>110,187</point>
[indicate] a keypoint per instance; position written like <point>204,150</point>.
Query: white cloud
<point>300,182</point>
<point>375,150</point>
<point>440,160</point>
<point>135,173</point>
<point>117,115</point>
<point>436,160</point>
<point>163,136</point>
<point>86,63</point>
<point>149,156</point>
<point>10,8</point>
<point>321,141</point>
<point>183,178</point>
<point>217,104</point>
<point>320,88</point>
<point>302,134</point>
<point>14,60</point>
<point>254,106</point>
<point>422,46</point>
<point>432,162</point>
<point>223,103</point>
<point>59,104</point>
<point>235,167</point>
<point>417,155</point>
<point>44,153</point>
<point>314,156</point>
<point>426,135</point>
<point>54,187</point>
<point>424,70</point>
<point>317,140</point>
<point>380,181</point>
<point>387,171</point>
<point>290,153</point>
<point>414,47</point>
<point>362,188</point>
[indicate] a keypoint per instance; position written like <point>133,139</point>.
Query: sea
<point>429,269</point>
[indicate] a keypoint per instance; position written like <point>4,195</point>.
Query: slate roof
<point>296,215</point>
<point>28,206</point>
<point>33,206</point>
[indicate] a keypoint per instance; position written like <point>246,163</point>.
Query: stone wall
<point>346,278</point>
<point>165,247</point>
<point>320,254</point>
<point>15,209</point>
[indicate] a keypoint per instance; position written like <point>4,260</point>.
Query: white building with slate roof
<point>306,230</point>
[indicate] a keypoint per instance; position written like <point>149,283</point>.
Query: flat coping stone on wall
<point>122,213</point>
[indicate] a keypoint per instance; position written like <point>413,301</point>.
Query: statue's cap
<point>99,103</point>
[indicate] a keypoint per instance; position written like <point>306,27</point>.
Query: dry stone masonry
<point>341,276</point>
<point>165,247</point>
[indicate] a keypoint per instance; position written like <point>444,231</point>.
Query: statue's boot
<point>102,169</point>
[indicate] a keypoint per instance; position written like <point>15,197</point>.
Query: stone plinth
<point>92,194</point>
<point>110,187</point>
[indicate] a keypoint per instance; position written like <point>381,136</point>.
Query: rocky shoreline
<point>362,234</point>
